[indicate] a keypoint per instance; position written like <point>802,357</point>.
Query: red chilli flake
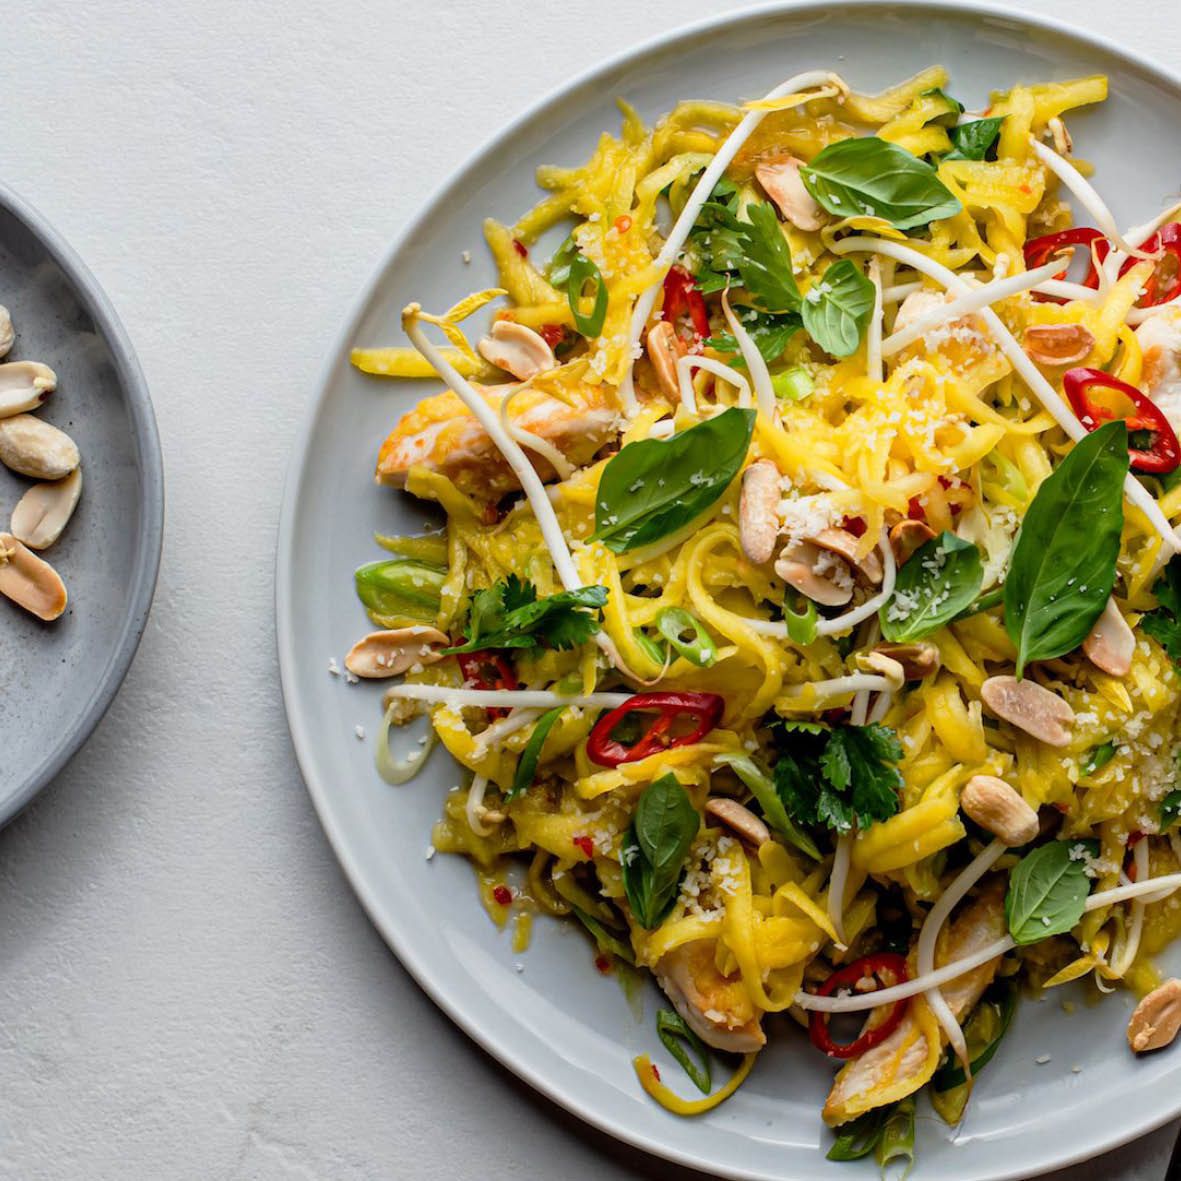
<point>585,844</point>
<point>502,895</point>
<point>656,1072</point>
<point>520,248</point>
<point>854,525</point>
<point>552,334</point>
<point>603,964</point>
<point>622,223</point>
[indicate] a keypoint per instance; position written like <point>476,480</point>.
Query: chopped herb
<point>1164,623</point>
<point>975,140</point>
<point>1098,757</point>
<point>509,614</point>
<point>1170,810</point>
<point>840,777</point>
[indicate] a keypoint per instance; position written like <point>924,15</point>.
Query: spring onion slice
<point>398,771</point>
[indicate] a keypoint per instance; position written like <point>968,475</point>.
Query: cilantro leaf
<point>840,777</point>
<point>509,614</point>
<point>751,250</point>
<point>1164,624</point>
<point>861,761</point>
<point>771,332</point>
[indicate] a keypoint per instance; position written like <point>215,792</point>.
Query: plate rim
<point>499,1048</point>
<point>150,538</point>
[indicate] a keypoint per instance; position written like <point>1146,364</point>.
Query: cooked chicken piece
<point>1160,342</point>
<point>442,434</point>
<point>964,342</point>
<point>714,1006</point>
<point>904,1062</point>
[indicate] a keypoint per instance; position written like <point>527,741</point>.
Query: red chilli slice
<point>875,967</point>
<point>1163,453</point>
<point>705,708</point>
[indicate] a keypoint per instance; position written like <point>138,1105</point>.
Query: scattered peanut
<point>7,336</point>
<point>907,536</point>
<point>740,820</point>
<point>817,574</point>
<point>845,544</point>
<point>1156,1019</point>
<point>1057,344</point>
<point>997,807</point>
<point>1111,644</point>
<point>1030,707</point>
<point>758,511</point>
<point>29,581</point>
<point>918,660</point>
<point>391,653</point>
<point>664,350</point>
<point>35,448</point>
<point>43,512</point>
<point>883,665</point>
<point>24,385</point>
<point>518,349</point>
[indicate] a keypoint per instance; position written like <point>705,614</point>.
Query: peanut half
<point>1156,1019</point>
<point>1000,809</point>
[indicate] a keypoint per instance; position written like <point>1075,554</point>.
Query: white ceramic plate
<point>557,1023</point>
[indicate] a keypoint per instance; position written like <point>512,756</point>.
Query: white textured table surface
<point>187,987</point>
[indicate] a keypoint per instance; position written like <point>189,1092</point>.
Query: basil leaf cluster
<point>654,850</point>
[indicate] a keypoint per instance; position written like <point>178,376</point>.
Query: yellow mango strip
<point>650,1080</point>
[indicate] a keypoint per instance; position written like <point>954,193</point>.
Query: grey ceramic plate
<point>557,1023</point>
<point>59,678</point>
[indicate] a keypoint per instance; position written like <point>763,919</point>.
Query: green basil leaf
<point>582,271</point>
<point>675,1035</point>
<point>765,265</point>
<point>940,580</point>
<point>1170,810</point>
<point>870,176</point>
<point>1047,891</point>
<point>1098,757</point>
<point>655,486</point>
<point>401,586</point>
<point>665,822</point>
<point>837,308</point>
<point>955,108</point>
<point>527,764</point>
<point>769,802</point>
<point>654,849</point>
<point>975,140</point>
<point>1063,564</point>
